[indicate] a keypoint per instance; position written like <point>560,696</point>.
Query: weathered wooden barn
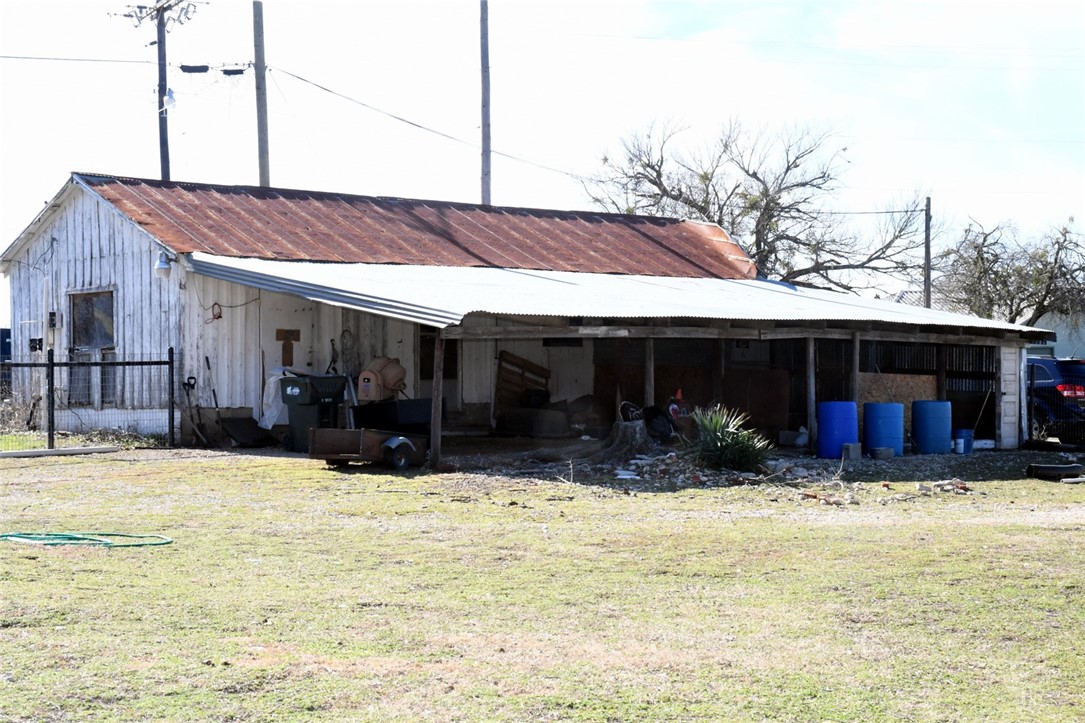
<point>241,281</point>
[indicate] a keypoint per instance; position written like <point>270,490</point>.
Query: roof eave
<point>28,234</point>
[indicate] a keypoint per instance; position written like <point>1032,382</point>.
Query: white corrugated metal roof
<point>441,296</point>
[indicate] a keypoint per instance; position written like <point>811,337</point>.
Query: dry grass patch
<point>297,592</point>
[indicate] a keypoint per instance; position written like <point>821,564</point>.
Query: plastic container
<point>883,426</point>
<point>311,401</point>
<point>838,424</point>
<point>962,441</point>
<point>932,423</point>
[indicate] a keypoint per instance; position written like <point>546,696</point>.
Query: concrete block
<point>852,450</point>
<point>789,438</point>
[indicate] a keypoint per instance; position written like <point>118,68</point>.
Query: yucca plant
<point>723,441</point>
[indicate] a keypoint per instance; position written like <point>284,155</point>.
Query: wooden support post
<point>811,389</point>
<point>721,380</point>
<point>940,371</point>
<point>855,361</point>
<point>649,372</point>
<point>438,392</point>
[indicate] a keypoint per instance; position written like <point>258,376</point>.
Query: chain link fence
<point>86,398</point>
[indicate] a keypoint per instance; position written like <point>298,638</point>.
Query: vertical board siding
<point>328,322</point>
<point>478,366</point>
<point>573,371</point>
<point>87,246</point>
<point>1011,419</point>
<point>401,342</point>
<point>221,347</point>
<point>367,332</point>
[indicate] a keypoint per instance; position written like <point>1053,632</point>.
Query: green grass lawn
<point>293,591</point>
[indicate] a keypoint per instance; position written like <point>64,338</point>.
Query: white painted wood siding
<point>221,342</point>
<point>88,246</point>
<point>478,365</point>
<point>1011,410</point>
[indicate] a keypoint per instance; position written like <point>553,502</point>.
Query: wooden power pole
<point>261,91</point>
<point>160,11</point>
<point>163,111</point>
<point>484,22</point>
<point>927,254</point>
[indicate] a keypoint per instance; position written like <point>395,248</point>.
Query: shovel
<point>194,410</point>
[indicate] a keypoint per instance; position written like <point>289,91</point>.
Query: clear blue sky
<point>980,105</point>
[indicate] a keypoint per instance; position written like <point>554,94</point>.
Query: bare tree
<point>770,193</point>
<point>993,274</point>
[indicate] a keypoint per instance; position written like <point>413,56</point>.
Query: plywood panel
<point>901,388</point>
<point>572,371</point>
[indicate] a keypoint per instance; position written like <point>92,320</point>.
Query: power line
<point>422,127</point>
<point>414,124</point>
<point>74,60</point>
<point>868,213</point>
<point>225,68</point>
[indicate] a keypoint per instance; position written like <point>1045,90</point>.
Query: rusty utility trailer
<point>341,446</point>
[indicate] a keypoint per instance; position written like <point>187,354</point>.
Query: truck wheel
<point>400,458</point>
<point>1039,427</point>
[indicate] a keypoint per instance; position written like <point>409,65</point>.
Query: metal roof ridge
<point>496,209</point>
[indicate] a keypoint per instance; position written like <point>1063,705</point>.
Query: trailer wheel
<point>400,457</point>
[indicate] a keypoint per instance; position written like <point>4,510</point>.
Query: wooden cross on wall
<point>288,337</point>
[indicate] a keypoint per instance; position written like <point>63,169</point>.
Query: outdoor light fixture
<point>162,267</point>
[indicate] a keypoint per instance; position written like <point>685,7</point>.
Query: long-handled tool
<point>33,409</point>
<point>194,411</point>
<point>214,394</point>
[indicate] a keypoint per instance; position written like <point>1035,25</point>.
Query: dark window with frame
<point>93,340</point>
<point>92,320</point>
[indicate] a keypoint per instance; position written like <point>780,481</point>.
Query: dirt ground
<point>668,468</point>
<point>674,466</point>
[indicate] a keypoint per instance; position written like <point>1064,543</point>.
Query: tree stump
<point>626,441</point>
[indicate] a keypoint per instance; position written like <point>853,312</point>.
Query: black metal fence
<point>87,398</point>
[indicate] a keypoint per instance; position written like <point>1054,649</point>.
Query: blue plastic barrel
<point>932,423</point>
<point>838,424</point>
<point>883,426</point>
<point>962,441</point>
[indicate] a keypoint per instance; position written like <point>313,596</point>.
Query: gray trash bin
<point>311,401</point>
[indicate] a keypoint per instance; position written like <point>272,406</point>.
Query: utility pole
<point>163,112</point>
<point>927,254</point>
<point>261,91</point>
<point>163,20</point>
<point>484,22</point>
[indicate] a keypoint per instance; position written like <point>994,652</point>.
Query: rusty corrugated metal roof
<point>273,223</point>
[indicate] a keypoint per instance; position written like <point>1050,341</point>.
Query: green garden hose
<point>90,539</point>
